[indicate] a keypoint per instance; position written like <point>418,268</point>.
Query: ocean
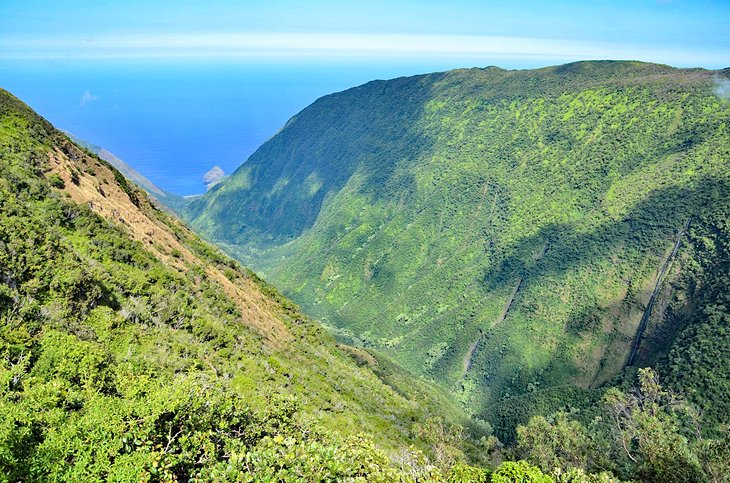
<point>173,120</point>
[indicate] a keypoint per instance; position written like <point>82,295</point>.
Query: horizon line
<point>343,45</point>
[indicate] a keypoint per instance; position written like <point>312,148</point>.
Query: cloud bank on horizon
<point>343,45</point>
<point>678,32</point>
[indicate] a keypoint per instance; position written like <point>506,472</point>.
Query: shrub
<point>519,472</point>
<point>56,181</point>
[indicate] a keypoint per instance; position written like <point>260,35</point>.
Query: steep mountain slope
<point>507,233</point>
<point>130,350</point>
<point>169,199</point>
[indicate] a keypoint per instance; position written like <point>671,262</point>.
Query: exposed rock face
<point>213,177</point>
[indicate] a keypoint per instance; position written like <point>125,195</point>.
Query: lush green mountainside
<point>169,199</point>
<point>502,232</point>
<point>130,350</point>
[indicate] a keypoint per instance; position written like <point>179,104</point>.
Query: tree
<point>444,440</point>
<point>519,472</point>
<point>555,442</point>
<point>647,426</point>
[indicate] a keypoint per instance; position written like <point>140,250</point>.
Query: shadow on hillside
<point>649,228</point>
<point>368,129</point>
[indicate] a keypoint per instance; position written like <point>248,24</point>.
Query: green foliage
<point>444,440</point>
<point>577,475</point>
<point>496,231</point>
<point>558,442</point>
<point>519,472</point>
<point>697,362</point>
<point>514,411</point>
<point>462,473</point>
<point>56,181</point>
<point>648,429</point>
<point>117,366</point>
<point>645,433</point>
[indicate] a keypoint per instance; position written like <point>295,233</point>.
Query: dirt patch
<point>361,356</point>
<point>87,181</point>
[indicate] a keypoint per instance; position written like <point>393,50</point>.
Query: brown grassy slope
<point>89,181</point>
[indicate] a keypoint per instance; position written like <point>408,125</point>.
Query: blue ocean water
<point>174,120</point>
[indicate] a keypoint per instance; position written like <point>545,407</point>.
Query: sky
<point>678,32</point>
<point>176,87</point>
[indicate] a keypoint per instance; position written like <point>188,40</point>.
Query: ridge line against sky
<point>333,45</point>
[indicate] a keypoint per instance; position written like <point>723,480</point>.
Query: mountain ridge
<point>404,213</point>
<point>131,349</point>
<point>171,200</point>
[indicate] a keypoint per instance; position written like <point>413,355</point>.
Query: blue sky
<point>678,32</point>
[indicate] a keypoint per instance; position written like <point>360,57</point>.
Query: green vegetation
<point>647,433</point>
<point>698,362</point>
<point>120,363</point>
<point>501,232</point>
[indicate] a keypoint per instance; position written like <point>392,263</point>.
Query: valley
<point>129,342</point>
<point>501,233</point>
<point>502,276</point>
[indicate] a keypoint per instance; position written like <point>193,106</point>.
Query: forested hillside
<point>130,350</point>
<point>517,236</point>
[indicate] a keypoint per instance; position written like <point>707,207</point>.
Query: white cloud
<point>348,46</point>
<point>722,88</point>
<point>87,97</point>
